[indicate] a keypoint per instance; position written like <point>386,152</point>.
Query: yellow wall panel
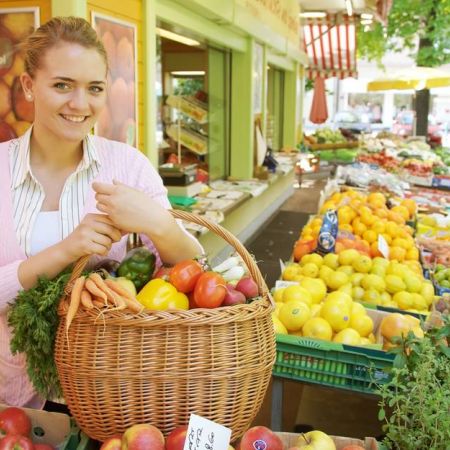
<point>129,11</point>
<point>45,7</point>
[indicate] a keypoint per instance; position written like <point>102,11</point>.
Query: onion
<point>248,287</point>
<point>233,297</point>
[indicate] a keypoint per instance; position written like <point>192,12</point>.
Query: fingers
<point>106,229</point>
<point>103,188</point>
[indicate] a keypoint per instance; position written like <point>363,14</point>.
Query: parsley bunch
<point>34,321</point>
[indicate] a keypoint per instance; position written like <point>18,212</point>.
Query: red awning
<point>330,44</point>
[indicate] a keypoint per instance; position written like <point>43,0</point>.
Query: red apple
<point>46,447</point>
<point>112,443</point>
<point>176,438</point>
<point>260,438</point>
<point>16,442</point>
<point>142,437</point>
<point>14,421</point>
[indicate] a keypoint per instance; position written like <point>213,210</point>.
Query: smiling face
<point>68,90</point>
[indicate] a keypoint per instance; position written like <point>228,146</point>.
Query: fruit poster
<point>118,120</point>
<point>16,114</point>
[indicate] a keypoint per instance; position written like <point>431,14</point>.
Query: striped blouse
<point>28,194</point>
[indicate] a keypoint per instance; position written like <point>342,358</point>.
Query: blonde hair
<point>68,29</point>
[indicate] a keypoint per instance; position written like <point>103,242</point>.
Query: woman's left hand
<point>130,210</point>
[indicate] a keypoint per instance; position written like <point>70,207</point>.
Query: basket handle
<point>217,229</point>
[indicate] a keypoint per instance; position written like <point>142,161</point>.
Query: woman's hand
<point>93,236</point>
<point>130,210</point>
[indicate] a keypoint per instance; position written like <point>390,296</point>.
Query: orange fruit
<point>392,229</point>
<point>369,236</point>
<point>412,254</point>
<point>346,227</point>
<point>403,243</point>
<point>394,324</point>
<point>402,210</point>
<point>410,204</point>
<point>374,250</point>
<point>345,215</point>
<point>376,197</point>
<point>379,226</point>
<point>359,228</point>
<point>396,217</point>
<point>381,213</point>
<point>397,253</point>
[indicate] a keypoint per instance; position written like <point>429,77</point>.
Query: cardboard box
<point>55,429</point>
<point>289,440</point>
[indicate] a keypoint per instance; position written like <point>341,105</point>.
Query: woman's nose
<point>79,99</point>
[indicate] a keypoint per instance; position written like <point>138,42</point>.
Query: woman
<point>66,193</point>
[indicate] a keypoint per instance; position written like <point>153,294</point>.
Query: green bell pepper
<point>138,266</point>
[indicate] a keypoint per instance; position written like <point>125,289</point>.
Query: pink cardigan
<point>118,161</point>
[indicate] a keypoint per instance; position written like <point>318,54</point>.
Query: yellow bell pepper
<point>160,295</point>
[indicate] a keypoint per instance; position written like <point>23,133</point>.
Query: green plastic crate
<point>77,440</point>
<point>331,364</point>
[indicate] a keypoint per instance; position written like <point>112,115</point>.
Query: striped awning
<point>330,44</point>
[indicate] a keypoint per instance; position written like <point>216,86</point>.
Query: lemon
<point>331,260</point>
<point>315,309</point>
<point>427,292</point>
<point>317,328</point>
<point>357,309</point>
<point>278,326</point>
<point>362,264</point>
<point>347,288</point>
<point>413,283</point>
<point>347,256</point>
<point>297,293</point>
<point>364,341</point>
<point>371,296</point>
<point>339,296</point>
<point>290,272</point>
<point>419,302</point>
<point>372,281</point>
<point>278,306</point>
<point>337,314</point>
<point>379,261</point>
<point>337,279</point>
<point>378,270</point>
<point>418,332</point>
<point>294,314</point>
<point>404,299</point>
<point>325,272</point>
<point>316,287</point>
<point>278,295</point>
<point>362,323</point>
<point>356,279</point>
<point>310,270</point>
<point>347,337</point>
<point>316,259</point>
<point>357,292</point>
<point>394,284</point>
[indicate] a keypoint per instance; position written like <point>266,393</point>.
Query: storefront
<point>222,74</point>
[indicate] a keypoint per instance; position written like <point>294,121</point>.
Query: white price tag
<point>279,284</point>
<point>383,246</point>
<point>204,434</point>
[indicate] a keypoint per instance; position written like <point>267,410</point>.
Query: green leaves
<point>34,320</point>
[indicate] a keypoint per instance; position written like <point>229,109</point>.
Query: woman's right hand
<point>93,236</point>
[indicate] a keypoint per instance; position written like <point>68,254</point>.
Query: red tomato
<point>16,442</point>
<point>14,421</point>
<point>210,290</point>
<point>184,275</point>
<point>163,272</point>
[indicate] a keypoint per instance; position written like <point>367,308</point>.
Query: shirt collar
<point>90,156</point>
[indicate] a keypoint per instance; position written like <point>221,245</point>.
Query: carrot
<point>133,305</point>
<point>116,287</point>
<point>99,281</point>
<point>94,290</point>
<point>75,299</point>
<point>86,299</point>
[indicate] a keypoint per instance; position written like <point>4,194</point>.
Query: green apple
<point>315,440</point>
<point>126,284</point>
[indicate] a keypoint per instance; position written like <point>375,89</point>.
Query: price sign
<point>204,434</point>
<point>383,246</point>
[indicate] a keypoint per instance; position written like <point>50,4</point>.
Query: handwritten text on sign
<point>204,434</point>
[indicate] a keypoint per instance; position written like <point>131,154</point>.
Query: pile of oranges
<point>362,218</point>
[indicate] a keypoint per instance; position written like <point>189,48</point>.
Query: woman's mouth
<point>72,118</point>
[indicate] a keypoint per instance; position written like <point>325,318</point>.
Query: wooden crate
<point>289,440</point>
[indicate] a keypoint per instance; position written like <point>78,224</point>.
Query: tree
<point>420,26</point>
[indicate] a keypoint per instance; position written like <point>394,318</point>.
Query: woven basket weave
<point>159,367</point>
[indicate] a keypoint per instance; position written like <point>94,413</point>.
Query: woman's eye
<point>61,86</point>
<point>96,89</point>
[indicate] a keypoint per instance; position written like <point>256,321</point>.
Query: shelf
<point>333,146</point>
<point>189,106</point>
<point>189,139</point>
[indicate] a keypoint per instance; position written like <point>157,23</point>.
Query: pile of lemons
<point>376,281</point>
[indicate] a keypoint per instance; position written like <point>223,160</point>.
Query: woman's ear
<point>27,86</point>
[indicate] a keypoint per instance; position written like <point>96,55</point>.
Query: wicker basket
<point>159,367</point>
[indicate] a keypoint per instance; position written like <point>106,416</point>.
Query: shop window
<point>274,121</point>
<point>192,128</point>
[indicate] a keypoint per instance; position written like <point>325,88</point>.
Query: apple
<point>175,439</point>
<point>142,437</point>
<point>16,442</point>
<point>260,438</point>
<point>46,447</point>
<point>14,421</point>
<point>353,447</point>
<point>315,440</point>
<point>112,443</point>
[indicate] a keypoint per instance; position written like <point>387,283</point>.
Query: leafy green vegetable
<point>34,321</point>
<point>415,404</point>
